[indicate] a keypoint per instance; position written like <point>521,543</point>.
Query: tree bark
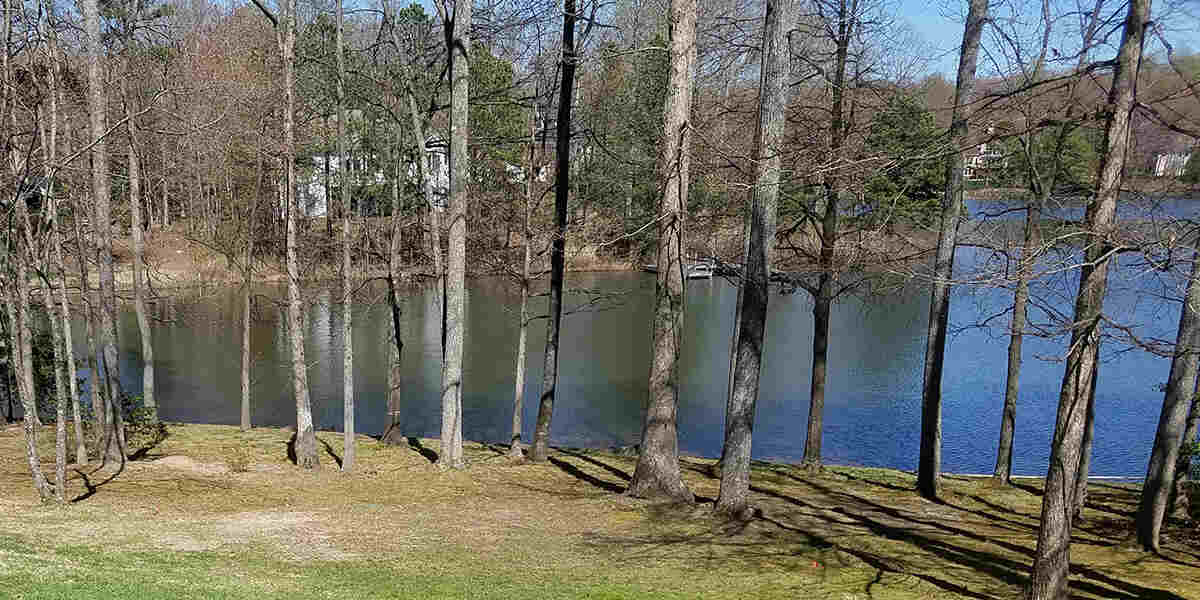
<point>102,226</point>
<point>562,182</point>
<point>18,314</point>
<point>657,473</point>
<point>393,433</point>
<point>247,279</point>
<point>1179,500</point>
<point>457,46</point>
<point>823,294</point>
<point>1052,557</point>
<point>1012,383</point>
<point>139,267</point>
<point>755,292</point>
<point>1172,421</point>
<point>306,438</point>
<point>347,287</point>
<point>514,443</point>
<point>929,468</point>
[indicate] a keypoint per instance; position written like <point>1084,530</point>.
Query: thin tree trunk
<point>166,214</point>
<point>657,473</point>
<point>1085,453</point>
<point>1172,421</point>
<point>247,279</point>
<point>1003,471</point>
<point>394,431</point>
<point>1052,558</point>
<point>139,267</point>
<point>823,294</point>
<point>739,412</point>
<point>347,288</point>
<point>514,442</point>
<point>81,454</point>
<point>107,334</point>
<point>306,438</point>
<point>457,42</point>
<point>60,395</point>
<point>562,188</point>
<point>929,467</point>
<point>18,308</point>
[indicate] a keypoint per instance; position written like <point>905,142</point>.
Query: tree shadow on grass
<point>972,558</point>
<point>415,443</point>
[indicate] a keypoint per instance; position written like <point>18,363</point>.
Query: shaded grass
<point>400,527</point>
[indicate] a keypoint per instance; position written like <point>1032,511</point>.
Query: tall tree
<point>657,473</point>
<point>1172,420</point>
<point>929,468</point>
<point>1051,560</point>
<point>306,437</point>
<point>347,305</point>
<point>114,434</point>
<point>562,181</point>
<point>458,40</point>
<point>754,290</point>
<point>514,446</point>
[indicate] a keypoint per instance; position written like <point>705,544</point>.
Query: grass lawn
<point>213,512</point>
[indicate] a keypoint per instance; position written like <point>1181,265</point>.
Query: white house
<point>1171,165</point>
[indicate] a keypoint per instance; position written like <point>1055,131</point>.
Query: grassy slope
<point>400,528</point>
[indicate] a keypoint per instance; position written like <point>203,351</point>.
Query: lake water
<point>874,380</point>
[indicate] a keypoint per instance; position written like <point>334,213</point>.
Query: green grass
<point>398,527</point>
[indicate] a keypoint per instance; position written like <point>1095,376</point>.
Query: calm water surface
<point>874,380</point>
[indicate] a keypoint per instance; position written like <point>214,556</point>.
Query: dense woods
<point>420,145</point>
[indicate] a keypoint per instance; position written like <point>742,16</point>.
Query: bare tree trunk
<point>1052,557</point>
<point>306,438</point>
<point>562,188</point>
<point>657,473</point>
<point>247,280</point>
<point>458,41</point>
<point>929,468</point>
<point>347,288</point>
<point>1003,471</point>
<point>823,294</point>
<point>166,213</point>
<point>18,314</point>
<point>1085,453</point>
<point>95,386</point>
<point>107,334</point>
<point>1172,421</point>
<point>1179,500</point>
<point>60,394</point>
<point>393,434</point>
<point>514,442</point>
<point>139,267</point>
<point>772,105</point>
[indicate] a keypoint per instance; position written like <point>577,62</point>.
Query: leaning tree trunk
<point>139,268</point>
<point>1085,452</point>
<point>458,42</point>
<point>1172,421</point>
<point>347,305</point>
<point>657,473</point>
<point>929,468</point>
<point>1052,558</point>
<point>1179,501</point>
<point>18,314</point>
<point>514,443</point>
<point>114,435</point>
<point>306,438</point>
<point>755,292</point>
<point>562,176</point>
